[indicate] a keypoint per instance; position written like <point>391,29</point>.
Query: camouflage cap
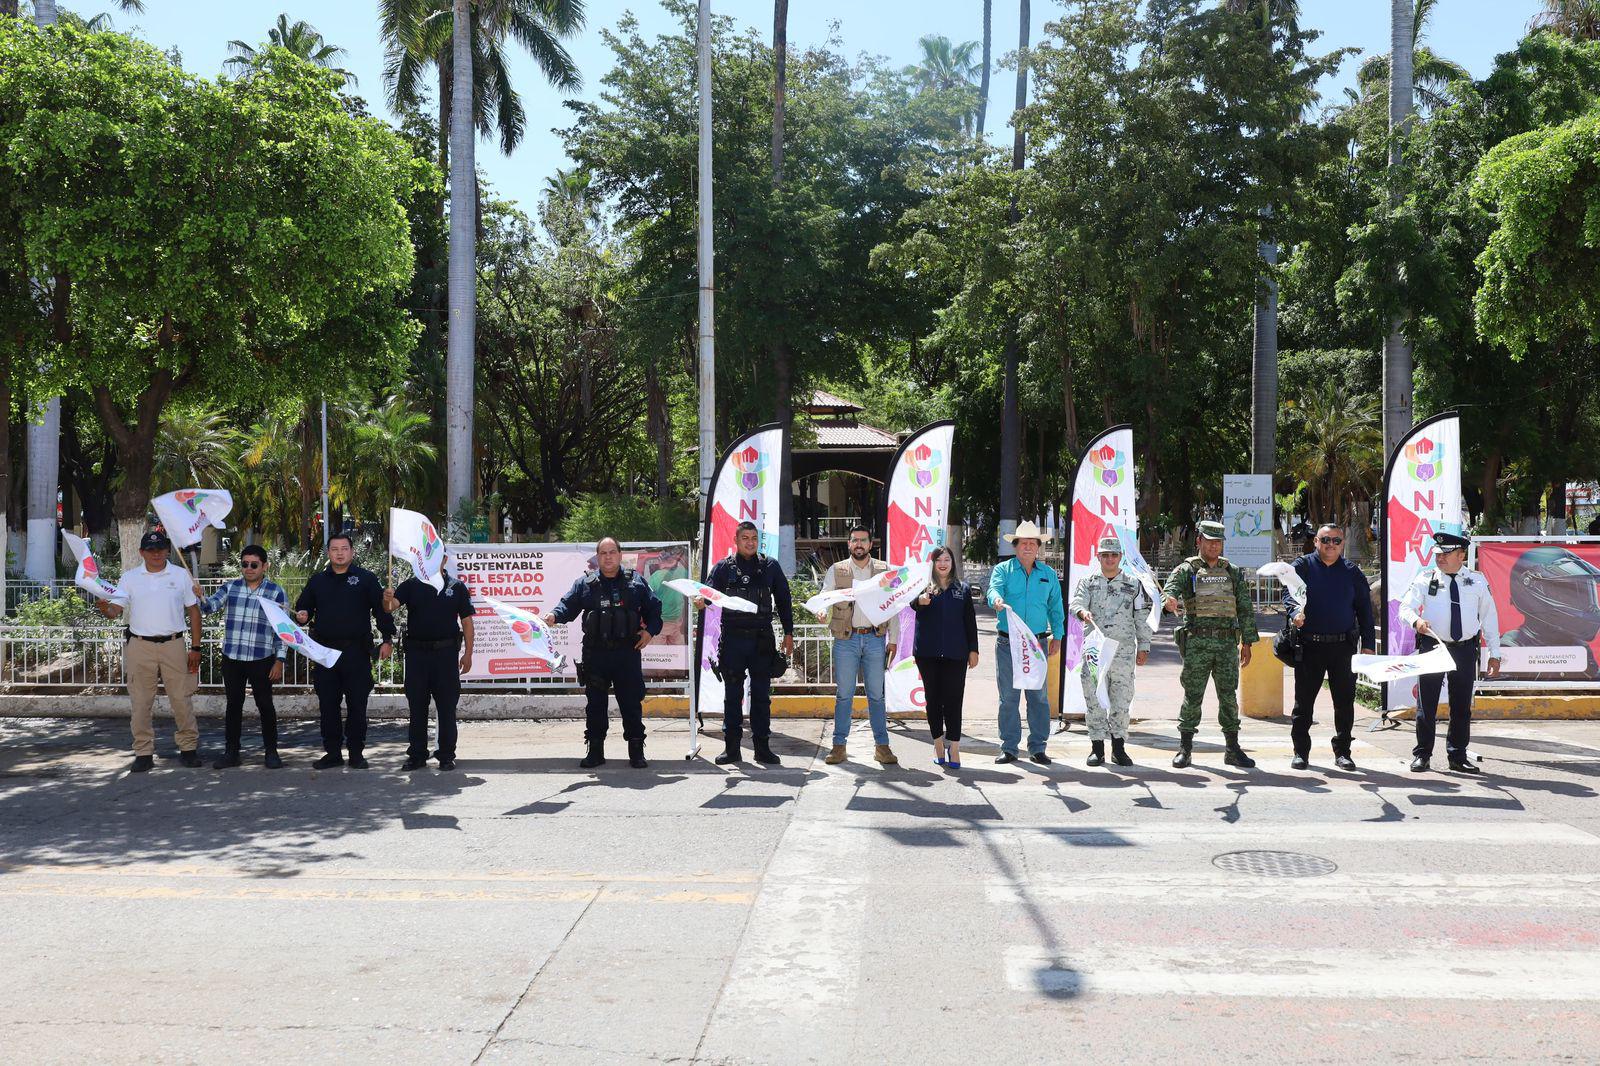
<point>1210,530</point>
<point>1109,545</point>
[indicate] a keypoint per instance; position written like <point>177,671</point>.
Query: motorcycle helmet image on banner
<point>1558,595</point>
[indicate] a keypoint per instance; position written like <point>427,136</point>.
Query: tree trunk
<point>782,357</point>
<point>780,84</point>
<point>1009,415</point>
<point>657,415</point>
<point>459,489</point>
<point>1397,412</point>
<point>983,85</point>
<point>1264,369</point>
<point>136,447</point>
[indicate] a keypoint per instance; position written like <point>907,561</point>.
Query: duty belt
<point>1325,638</point>
<point>431,645</point>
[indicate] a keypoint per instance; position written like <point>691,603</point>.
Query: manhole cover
<point>1274,863</point>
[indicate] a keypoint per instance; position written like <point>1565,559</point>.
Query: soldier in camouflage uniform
<point>1109,601</point>
<point>1219,627</point>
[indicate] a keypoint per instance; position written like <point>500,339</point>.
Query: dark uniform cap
<point>153,540</point>
<point>1446,542</point>
<point>1210,530</point>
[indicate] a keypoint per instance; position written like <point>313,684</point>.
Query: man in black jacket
<point>340,603</point>
<point>1335,618</point>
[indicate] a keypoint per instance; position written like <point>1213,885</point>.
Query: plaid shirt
<point>246,633</point>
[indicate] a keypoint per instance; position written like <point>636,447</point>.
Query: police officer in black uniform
<point>438,651</point>
<point>620,616</point>
<point>340,603</point>
<point>746,646</point>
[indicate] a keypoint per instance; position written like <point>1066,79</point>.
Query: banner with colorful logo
<point>530,635</point>
<point>413,538</point>
<point>1422,496</point>
<point>745,487</point>
<point>1029,666</point>
<point>1104,504</point>
<point>885,595</point>
<point>185,514</point>
<point>701,591</point>
<point>291,634</point>
<point>88,574</point>
<point>916,515</point>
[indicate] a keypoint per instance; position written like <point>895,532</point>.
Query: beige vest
<point>840,615</point>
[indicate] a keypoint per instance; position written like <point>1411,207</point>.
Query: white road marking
<point>1521,891</point>
<point>1279,834</point>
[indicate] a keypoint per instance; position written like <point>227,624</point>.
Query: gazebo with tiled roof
<point>826,505</point>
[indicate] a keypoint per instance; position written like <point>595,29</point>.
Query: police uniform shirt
<point>156,600</point>
<point>342,606</point>
<point>433,614</point>
<point>738,576</point>
<point>1428,598</point>
<point>610,591</point>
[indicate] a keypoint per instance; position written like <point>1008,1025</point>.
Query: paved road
<point>521,910</point>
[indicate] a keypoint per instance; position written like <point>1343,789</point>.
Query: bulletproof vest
<point>609,615</point>
<point>1213,591</point>
<point>756,588</point>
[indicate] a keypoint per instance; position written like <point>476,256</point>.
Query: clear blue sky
<point>1471,32</point>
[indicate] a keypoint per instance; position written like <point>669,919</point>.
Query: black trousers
<point>1333,662</point>
<point>740,655</point>
<point>235,674</point>
<point>433,673</point>
<point>944,683</point>
<point>619,670</point>
<point>348,680</point>
<point>1462,678</point>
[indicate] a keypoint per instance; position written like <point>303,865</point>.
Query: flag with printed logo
<point>531,634</point>
<point>699,590</point>
<point>88,574</point>
<point>186,513</point>
<point>885,595</point>
<point>289,631</point>
<point>413,538</point>
<point>1029,667</point>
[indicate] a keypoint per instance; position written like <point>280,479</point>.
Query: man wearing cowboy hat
<point>1219,627</point>
<point>1033,591</point>
<point>1449,604</point>
<point>1109,601</point>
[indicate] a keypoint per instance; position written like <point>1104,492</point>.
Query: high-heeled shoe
<point>954,764</point>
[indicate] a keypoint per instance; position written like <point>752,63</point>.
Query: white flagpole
<point>326,517</point>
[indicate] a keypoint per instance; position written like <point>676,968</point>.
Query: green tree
<point>386,457</point>
<point>300,38</point>
<point>196,445</point>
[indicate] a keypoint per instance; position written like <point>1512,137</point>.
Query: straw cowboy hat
<point>1028,531</point>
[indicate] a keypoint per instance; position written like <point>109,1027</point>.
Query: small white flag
<point>1292,581</point>
<point>699,590</point>
<point>1098,651</point>
<point>1380,668</point>
<point>413,538</point>
<point>185,514</point>
<point>291,634</point>
<point>885,595</point>
<point>1029,666</point>
<point>825,599</point>
<point>531,634</point>
<point>88,575</point>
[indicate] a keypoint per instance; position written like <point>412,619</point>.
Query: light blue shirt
<point>1035,596</point>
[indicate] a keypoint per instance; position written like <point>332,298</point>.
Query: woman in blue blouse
<point>946,647</point>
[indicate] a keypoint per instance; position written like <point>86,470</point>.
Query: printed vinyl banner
<point>1247,519</point>
<point>1422,490</point>
<point>916,515</point>
<point>534,577</point>
<point>1547,596</point>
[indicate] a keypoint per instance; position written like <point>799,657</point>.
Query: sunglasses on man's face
<point>251,564</point>
<point>1330,540</point>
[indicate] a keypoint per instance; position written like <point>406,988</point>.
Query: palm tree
<point>944,65</point>
<point>47,13</point>
<point>1578,19</point>
<point>983,86</point>
<point>1432,75</point>
<point>782,364</point>
<point>1010,411</point>
<point>387,456</point>
<point>301,38</point>
<point>196,446</point>
<point>1339,455</point>
<point>1403,23</point>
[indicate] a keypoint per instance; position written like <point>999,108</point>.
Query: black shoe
<point>1299,762</point>
<point>414,763</point>
<point>142,764</point>
<point>1041,758</point>
<point>1345,763</point>
<point>764,752</point>
<point>190,759</point>
<point>1097,752</point>
<point>226,761</point>
<point>1119,753</point>
<point>328,762</point>
<point>1005,757</point>
<point>272,762</point>
<point>596,756</point>
<point>447,762</point>
<point>729,757</point>
<point>1463,766</point>
<point>358,762</point>
<point>1234,755</point>
<point>636,755</point>
<point>1419,765</point>
<point>1185,751</point>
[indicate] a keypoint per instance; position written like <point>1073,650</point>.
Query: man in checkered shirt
<point>251,652</point>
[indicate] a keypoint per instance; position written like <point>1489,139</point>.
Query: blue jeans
<point>859,654</point>
<point>1010,720</point>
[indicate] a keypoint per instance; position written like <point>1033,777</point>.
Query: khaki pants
<point>166,665</point>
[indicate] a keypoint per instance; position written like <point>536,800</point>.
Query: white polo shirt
<point>156,600</point>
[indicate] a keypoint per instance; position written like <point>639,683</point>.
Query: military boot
<point>1235,755</point>
<point>1185,751</point>
<point>636,754</point>
<point>1097,752</point>
<point>1119,754</point>
<point>730,752</point>
<point>764,752</point>
<point>596,756</point>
